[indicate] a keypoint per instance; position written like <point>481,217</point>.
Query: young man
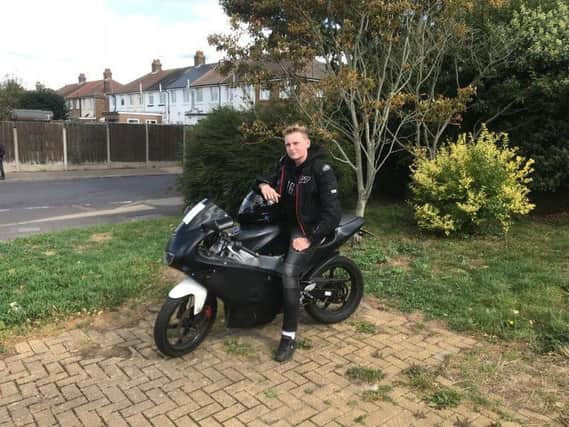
<point>306,189</point>
<point>2,153</point>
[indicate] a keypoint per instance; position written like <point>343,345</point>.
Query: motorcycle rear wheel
<point>177,331</point>
<point>343,270</point>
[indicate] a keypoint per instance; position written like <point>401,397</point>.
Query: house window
<point>229,93</point>
<point>213,93</point>
<point>122,100</point>
<point>173,96</point>
<point>131,99</point>
<point>186,96</point>
<point>151,122</point>
<point>162,98</point>
<point>284,92</point>
<point>151,99</point>
<point>133,121</point>
<point>264,94</point>
<point>140,101</point>
<point>199,95</point>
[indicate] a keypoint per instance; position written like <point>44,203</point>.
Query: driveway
<point>106,371</point>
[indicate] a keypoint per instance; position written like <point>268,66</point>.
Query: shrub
<point>472,185</point>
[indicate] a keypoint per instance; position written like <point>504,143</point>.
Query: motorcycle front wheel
<point>178,330</point>
<point>343,278</point>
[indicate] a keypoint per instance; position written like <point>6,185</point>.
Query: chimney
<point>107,79</point>
<point>199,58</point>
<point>82,78</point>
<point>156,66</point>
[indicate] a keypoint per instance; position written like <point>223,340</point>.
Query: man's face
<point>296,145</point>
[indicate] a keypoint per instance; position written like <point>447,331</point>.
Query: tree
<point>10,93</point>
<point>44,99</point>
<point>528,96</point>
<point>385,62</point>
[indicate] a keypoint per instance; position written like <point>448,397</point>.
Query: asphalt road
<point>40,206</point>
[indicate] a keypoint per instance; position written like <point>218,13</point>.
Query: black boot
<point>286,349</point>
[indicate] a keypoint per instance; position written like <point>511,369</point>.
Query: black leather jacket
<point>309,192</point>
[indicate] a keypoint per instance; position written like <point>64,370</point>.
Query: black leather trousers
<point>295,264</point>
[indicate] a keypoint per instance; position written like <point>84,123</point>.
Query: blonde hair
<point>295,127</point>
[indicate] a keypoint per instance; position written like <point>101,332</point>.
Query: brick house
<point>89,100</point>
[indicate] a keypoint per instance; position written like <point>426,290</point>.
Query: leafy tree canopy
<point>11,91</point>
<point>44,99</point>
<point>391,68</point>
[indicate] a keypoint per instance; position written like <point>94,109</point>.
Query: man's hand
<point>301,243</point>
<point>269,193</point>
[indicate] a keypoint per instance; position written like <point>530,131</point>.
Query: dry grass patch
<point>101,237</point>
<point>515,378</point>
<point>398,262</point>
<point>171,275</point>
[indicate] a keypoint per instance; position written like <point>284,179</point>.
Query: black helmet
<point>255,209</point>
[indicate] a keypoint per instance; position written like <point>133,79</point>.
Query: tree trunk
<point>361,205</point>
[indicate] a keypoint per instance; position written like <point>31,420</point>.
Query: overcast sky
<point>53,41</point>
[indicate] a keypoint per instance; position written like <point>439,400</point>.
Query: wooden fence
<point>63,145</point>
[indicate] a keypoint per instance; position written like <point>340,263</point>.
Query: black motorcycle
<point>240,264</point>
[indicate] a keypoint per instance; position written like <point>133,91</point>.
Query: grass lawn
<point>54,275</point>
<point>514,287</point>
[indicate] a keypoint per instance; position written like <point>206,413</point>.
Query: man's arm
<point>331,209</point>
<point>270,179</point>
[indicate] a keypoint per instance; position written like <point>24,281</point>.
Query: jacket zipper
<point>282,179</point>
<point>297,197</point>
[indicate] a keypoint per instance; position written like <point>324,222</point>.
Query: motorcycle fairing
<point>255,237</point>
<point>241,259</point>
<point>251,297</point>
<point>241,285</point>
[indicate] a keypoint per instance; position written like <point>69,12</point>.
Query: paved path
<point>112,375</point>
<point>89,173</point>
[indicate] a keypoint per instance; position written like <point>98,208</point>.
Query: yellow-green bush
<point>472,185</point>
